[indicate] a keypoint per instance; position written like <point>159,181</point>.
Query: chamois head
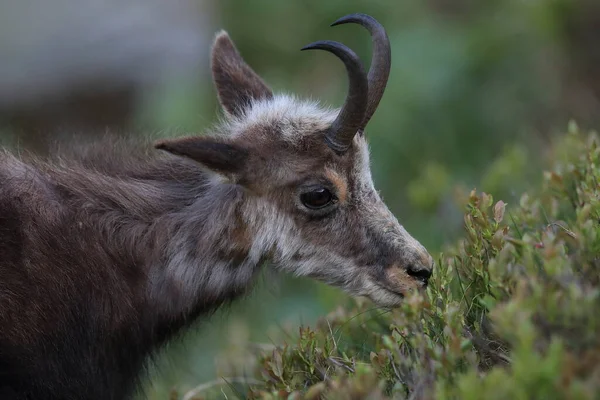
<point>309,204</point>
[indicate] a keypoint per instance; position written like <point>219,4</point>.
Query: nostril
<point>422,274</point>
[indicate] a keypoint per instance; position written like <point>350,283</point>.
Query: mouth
<point>385,296</point>
<point>391,291</point>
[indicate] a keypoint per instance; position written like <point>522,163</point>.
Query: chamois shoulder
<point>18,177</point>
<point>108,174</point>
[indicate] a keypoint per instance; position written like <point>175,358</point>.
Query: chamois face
<point>313,210</point>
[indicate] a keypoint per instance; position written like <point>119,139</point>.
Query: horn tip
<point>322,45</point>
<point>355,17</point>
<point>310,46</point>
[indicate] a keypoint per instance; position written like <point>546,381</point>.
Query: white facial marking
<point>295,118</point>
<point>277,234</point>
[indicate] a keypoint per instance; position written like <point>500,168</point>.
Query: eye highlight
<point>317,198</point>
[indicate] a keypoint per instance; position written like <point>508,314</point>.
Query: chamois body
<point>85,294</point>
<point>109,250</point>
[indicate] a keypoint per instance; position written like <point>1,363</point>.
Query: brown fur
<point>341,187</point>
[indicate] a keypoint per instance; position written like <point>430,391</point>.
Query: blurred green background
<point>475,92</point>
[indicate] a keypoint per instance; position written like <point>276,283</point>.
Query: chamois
<point>107,253</point>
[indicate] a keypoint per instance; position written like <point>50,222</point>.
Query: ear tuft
<point>217,155</point>
<point>237,84</point>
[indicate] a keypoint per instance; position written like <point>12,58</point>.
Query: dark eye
<point>317,198</point>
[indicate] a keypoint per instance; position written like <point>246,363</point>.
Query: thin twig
<point>340,364</point>
<point>398,376</point>
<point>568,232</point>
<point>204,386</point>
<point>332,335</point>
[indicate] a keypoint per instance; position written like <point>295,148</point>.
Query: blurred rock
<point>83,64</point>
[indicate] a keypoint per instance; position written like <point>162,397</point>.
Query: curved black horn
<point>349,120</point>
<point>380,63</point>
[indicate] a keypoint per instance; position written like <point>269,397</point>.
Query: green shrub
<point>512,311</point>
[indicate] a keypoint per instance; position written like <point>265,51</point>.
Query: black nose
<point>418,272</point>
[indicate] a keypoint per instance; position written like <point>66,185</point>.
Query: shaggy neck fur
<point>163,242</point>
<point>187,234</point>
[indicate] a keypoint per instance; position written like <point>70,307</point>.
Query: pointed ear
<point>216,154</point>
<point>237,84</point>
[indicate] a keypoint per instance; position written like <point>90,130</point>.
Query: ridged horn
<point>341,132</point>
<point>380,63</point>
